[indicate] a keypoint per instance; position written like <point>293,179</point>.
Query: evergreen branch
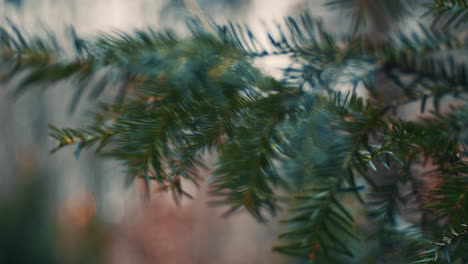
<point>246,174</point>
<point>323,58</point>
<point>450,196</point>
<point>441,250</point>
<point>251,179</point>
<point>83,138</point>
<point>181,97</point>
<point>453,12</point>
<point>207,99</point>
<point>388,240</point>
<point>322,226</point>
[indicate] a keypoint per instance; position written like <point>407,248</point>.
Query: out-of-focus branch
<point>197,11</point>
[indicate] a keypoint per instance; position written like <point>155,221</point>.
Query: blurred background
<point>57,209</point>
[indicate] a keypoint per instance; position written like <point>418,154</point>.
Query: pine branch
<point>452,12</point>
<point>322,227</point>
<point>180,97</point>
<point>450,196</point>
<point>442,250</point>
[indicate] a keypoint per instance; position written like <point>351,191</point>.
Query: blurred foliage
<point>377,13</point>
<point>457,238</point>
<point>32,233</point>
<point>448,12</point>
<point>361,184</point>
<point>17,3</point>
<point>27,235</point>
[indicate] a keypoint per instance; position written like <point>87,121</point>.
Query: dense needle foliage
<point>362,183</point>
